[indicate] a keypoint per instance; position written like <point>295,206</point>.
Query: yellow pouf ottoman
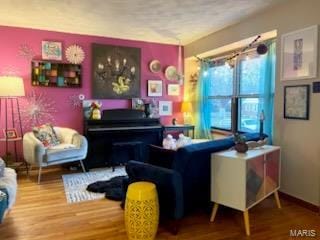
<point>141,211</point>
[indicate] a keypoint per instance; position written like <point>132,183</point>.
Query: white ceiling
<point>164,21</point>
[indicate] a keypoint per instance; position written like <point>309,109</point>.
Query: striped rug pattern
<point>75,184</point>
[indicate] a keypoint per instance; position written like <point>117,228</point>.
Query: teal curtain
<point>268,74</point>
<point>203,111</point>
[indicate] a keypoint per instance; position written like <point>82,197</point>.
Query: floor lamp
<point>11,88</point>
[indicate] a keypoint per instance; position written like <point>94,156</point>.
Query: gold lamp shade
<point>11,86</point>
<point>186,107</point>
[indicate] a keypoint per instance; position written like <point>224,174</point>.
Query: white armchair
<point>72,147</point>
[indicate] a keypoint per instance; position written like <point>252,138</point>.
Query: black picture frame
<point>296,102</point>
<point>116,72</point>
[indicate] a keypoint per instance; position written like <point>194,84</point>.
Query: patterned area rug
<point>75,184</point>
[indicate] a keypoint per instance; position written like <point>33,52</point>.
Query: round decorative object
<point>241,147</point>
<point>155,66</point>
<point>262,49</point>
<point>171,73</point>
<point>75,54</point>
<point>141,211</point>
<point>81,97</point>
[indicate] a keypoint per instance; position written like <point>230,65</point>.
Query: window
<point>237,94</point>
<point>221,90</point>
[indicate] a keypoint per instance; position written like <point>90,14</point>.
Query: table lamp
<point>11,87</point>
<point>186,108</point>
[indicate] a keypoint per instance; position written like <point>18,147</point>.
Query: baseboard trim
<point>300,202</point>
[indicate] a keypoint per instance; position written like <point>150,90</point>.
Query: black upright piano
<point>109,137</point>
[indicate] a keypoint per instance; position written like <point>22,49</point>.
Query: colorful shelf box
<point>55,74</point>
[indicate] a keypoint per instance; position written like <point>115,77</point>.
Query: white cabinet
<point>241,180</point>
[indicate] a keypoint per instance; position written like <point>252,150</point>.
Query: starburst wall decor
<point>26,52</point>
<point>76,100</point>
<point>75,54</point>
<point>37,109</point>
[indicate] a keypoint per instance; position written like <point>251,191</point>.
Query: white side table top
<point>251,153</point>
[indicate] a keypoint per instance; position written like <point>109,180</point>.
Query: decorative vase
<point>147,109</point>
<point>241,147</point>
<point>96,114</point>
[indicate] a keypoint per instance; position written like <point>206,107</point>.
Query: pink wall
<point>12,38</point>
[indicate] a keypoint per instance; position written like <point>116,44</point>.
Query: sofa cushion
<point>160,156</point>
<point>61,151</point>
<point>46,134</point>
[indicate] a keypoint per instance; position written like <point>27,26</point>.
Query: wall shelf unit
<point>55,74</point>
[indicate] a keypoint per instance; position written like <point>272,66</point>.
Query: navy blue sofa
<point>182,177</point>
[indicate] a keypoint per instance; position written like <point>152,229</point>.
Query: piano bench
<point>122,152</point>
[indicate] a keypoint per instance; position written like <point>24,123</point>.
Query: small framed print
<point>299,54</point>
<point>165,108</point>
<point>10,133</point>
<point>137,103</point>
<point>154,88</point>
<point>296,102</point>
<point>51,50</point>
<point>173,89</point>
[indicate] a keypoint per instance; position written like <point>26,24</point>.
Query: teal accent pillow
<point>46,134</point>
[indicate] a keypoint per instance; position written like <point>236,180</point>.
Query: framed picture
<point>154,108</point>
<point>10,133</point>
<point>51,50</point>
<point>173,89</point>
<point>296,102</point>
<point>154,88</point>
<point>115,72</point>
<point>299,54</point>
<point>137,103</point>
<point>165,108</point>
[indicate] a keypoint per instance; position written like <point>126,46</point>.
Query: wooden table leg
<point>246,222</point>
<point>276,196</point>
<point>214,212</point>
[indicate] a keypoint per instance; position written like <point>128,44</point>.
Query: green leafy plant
<point>238,138</point>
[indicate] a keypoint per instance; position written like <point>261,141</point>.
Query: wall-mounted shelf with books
<point>55,74</point>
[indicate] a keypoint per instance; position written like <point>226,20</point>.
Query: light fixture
<point>11,87</point>
<point>262,49</point>
<point>186,109</point>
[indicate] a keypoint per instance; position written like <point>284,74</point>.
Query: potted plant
<point>240,143</point>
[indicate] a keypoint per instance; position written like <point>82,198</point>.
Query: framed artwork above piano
<point>115,72</point>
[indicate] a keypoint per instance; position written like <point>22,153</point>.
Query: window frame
<point>236,95</point>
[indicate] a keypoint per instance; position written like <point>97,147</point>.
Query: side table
<point>242,180</point>
<point>185,128</point>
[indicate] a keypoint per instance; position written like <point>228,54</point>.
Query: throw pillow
<point>46,134</point>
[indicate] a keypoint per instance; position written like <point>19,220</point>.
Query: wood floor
<point>41,212</point>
